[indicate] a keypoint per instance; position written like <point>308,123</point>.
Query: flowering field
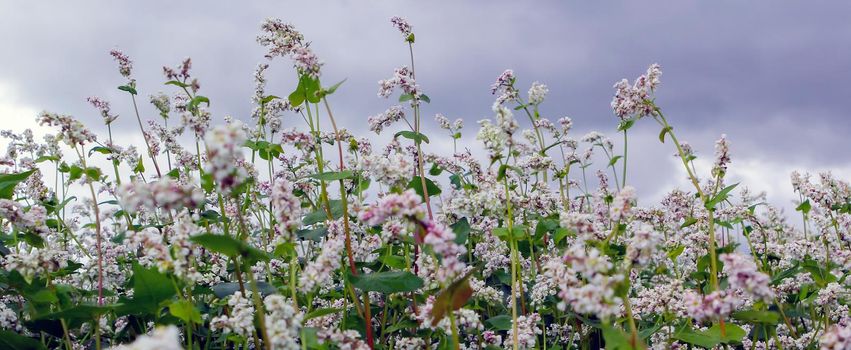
<point>289,232</point>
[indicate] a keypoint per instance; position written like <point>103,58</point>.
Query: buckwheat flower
<point>165,193</point>
<point>154,250</point>
<point>442,242</point>
<point>722,157</point>
<point>622,203</point>
<point>505,86</point>
<point>581,223</point>
<point>642,244</point>
<point>831,294</point>
<point>241,318</point>
<point>527,332</point>
<point>409,343</point>
<point>442,121</point>
<point>505,119</point>
<point>345,340</point>
<point>72,131</point>
<point>32,220</point>
<point>836,337</point>
<point>9,318</point>
<point>654,72</point>
<point>378,122</point>
<point>714,305</point>
<point>491,338</point>
<point>492,136</point>
<point>224,144</point>
<point>633,100</point>
<point>103,107</point>
<point>403,78</point>
<point>198,122</point>
<point>286,206</point>
<point>537,93</point>
<point>125,65</point>
<point>404,205</point>
<point>181,72</point>
<point>458,124</point>
<point>162,338</point>
<point>35,261</point>
<point>319,272</point>
<point>306,62</point>
<point>279,38</point>
<point>594,293</point>
<point>161,103</point>
<point>742,274</point>
<point>566,124</point>
<point>283,323</point>
<point>403,27</point>
<point>392,170</point>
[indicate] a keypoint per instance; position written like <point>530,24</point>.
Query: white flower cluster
<point>240,321</point>
<point>742,274</point>
<point>224,144</point>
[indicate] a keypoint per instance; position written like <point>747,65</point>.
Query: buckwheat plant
<point>285,230</point>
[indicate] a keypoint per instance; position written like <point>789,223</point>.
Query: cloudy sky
<point>772,75</point>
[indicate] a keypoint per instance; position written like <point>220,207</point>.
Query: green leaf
<point>417,184</point>
<point>720,197</point>
<point>333,175</point>
<point>177,83</point>
<point>664,131</point>
<point>804,207</point>
<point>411,135</point>
<point>674,253</point>
<point>754,316</point>
<point>435,170</point>
<point>614,160</point>
<point>790,272</point>
<point>334,87</point>
<point>405,97</point>
<point>223,290</point>
<point>197,100</point>
<point>425,98</point>
<point>732,333</point>
<point>230,247</point>
<point>499,323</point>
<point>14,341</point>
<point>626,124</point>
<point>140,167</point>
<point>9,181</point>
<point>387,282</point>
<point>320,215</point>
<point>517,233</point>
<point>314,234</point>
<point>616,339</point>
<point>78,314</point>
<point>688,222</point>
<point>186,311</point>
<point>305,91</point>
<point>268,99</point>
<point>151,288</point>
<point>47,158</point>
<point>128,88</point>
<point>93,173</point>
<point>285,250</point>
<point>100,149</point>
<point>225,245</point>
<point>696,338</point>
<point>462,230</point>
<point>452,298</point>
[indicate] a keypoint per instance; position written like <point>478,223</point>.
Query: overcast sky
<point>772,75</point>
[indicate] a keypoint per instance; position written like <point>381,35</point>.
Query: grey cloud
<point>767,73</point>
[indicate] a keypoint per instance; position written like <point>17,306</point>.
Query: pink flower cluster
<point>631,100</point>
